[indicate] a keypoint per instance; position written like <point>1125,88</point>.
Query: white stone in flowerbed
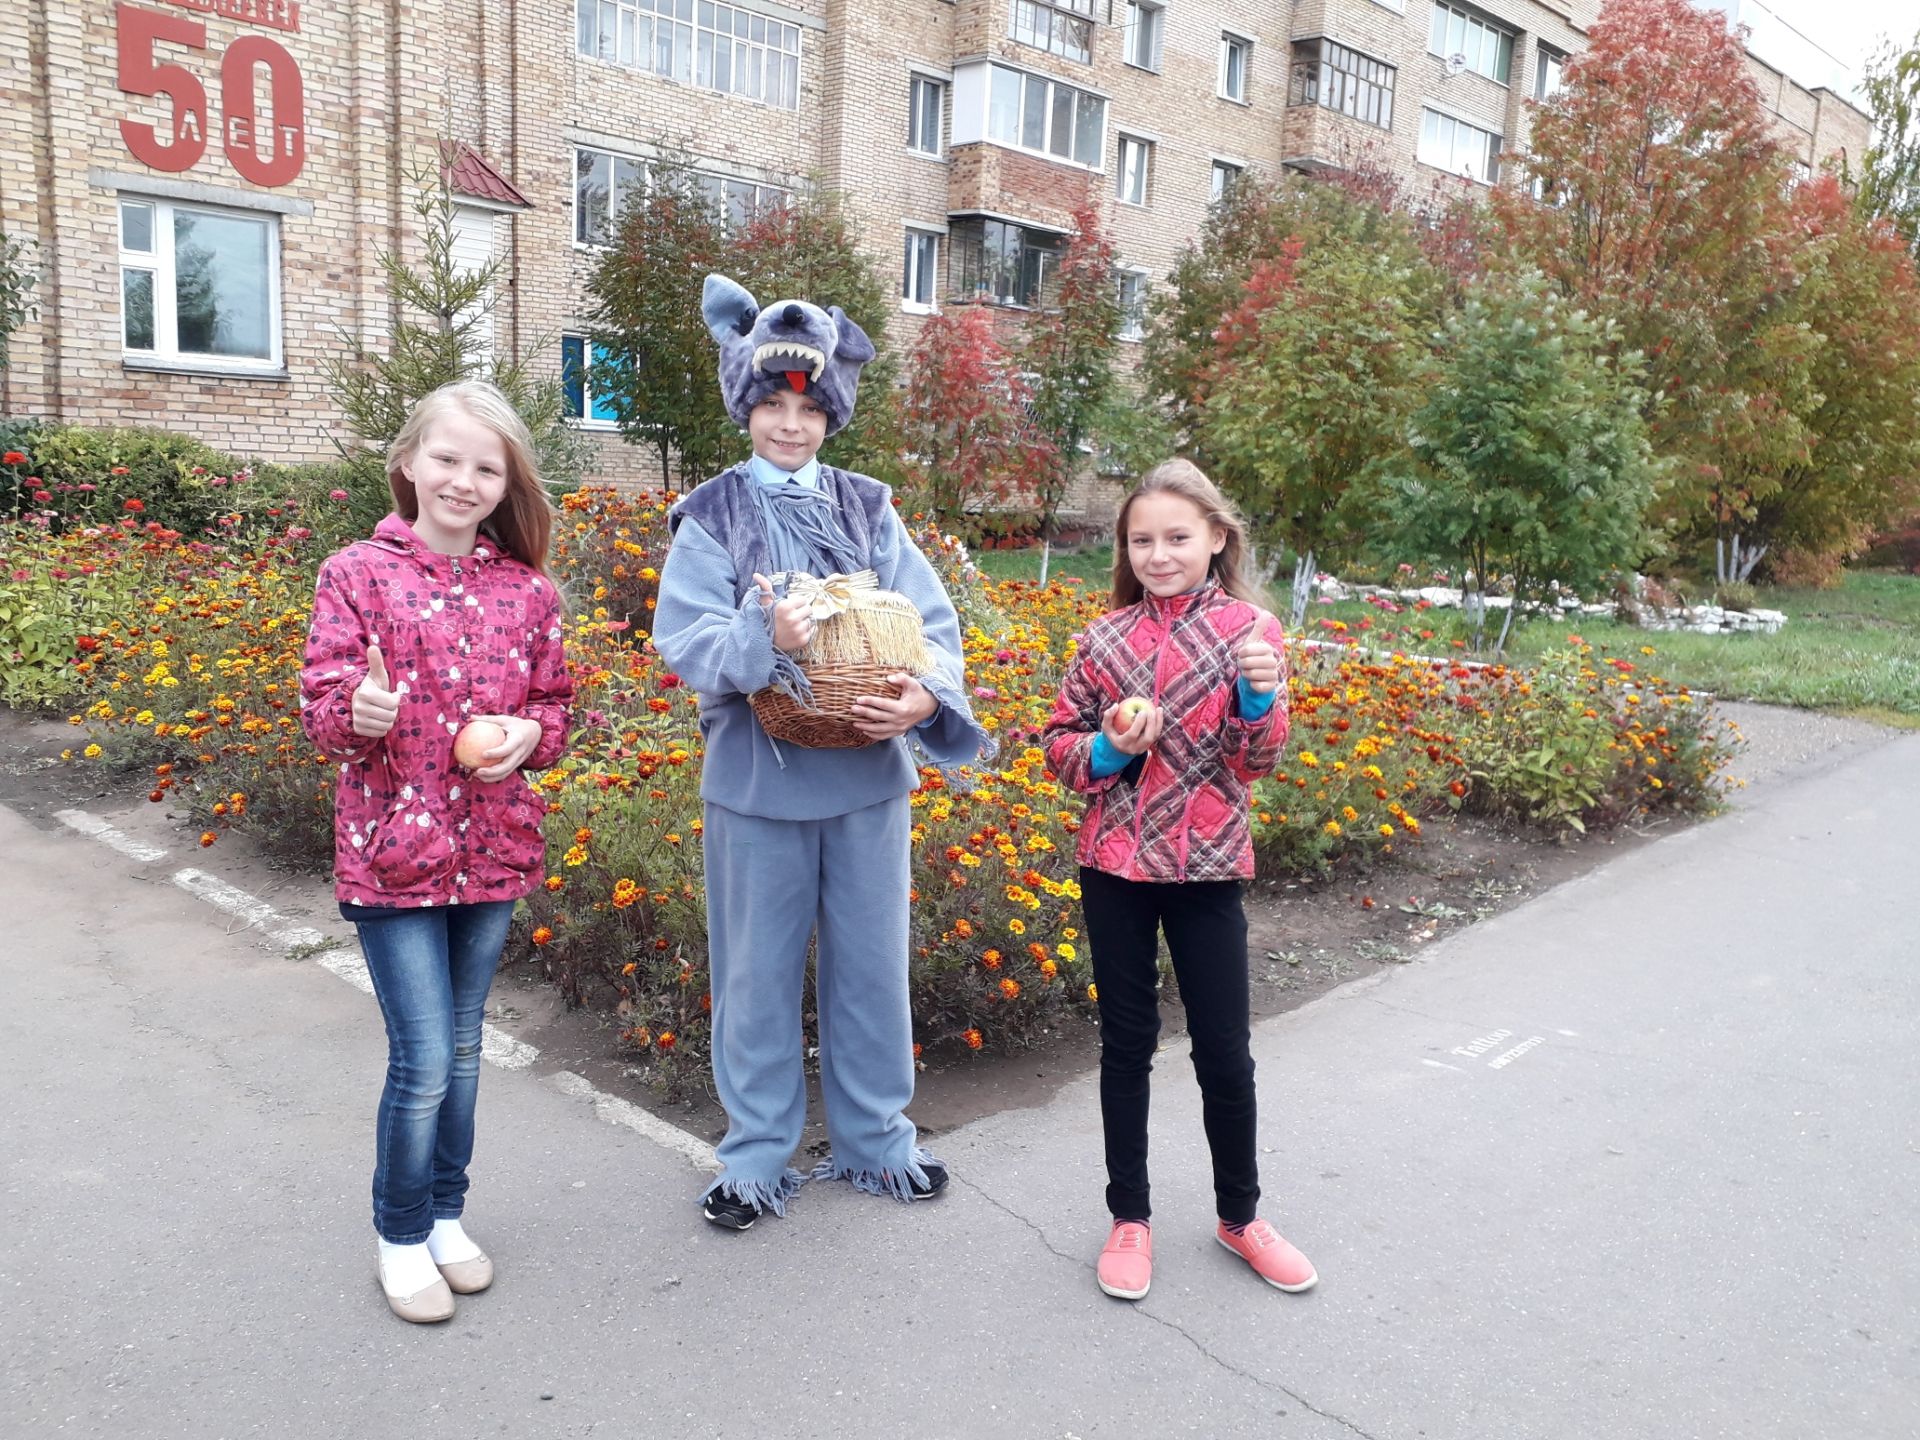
<point>1697,619</point>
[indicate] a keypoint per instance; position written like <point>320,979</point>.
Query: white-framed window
<point>1045,116</point>
<point>603,185</point>
<point>1459,148</point>
<point>592,410</point>
<point>697,42</point>
<point>1484,46</point>
<point>740,200</point>
<point>920,275</point>
<point>1133,170</point>
<point>1340,78</point>
<point>199,285</point>
<point>1236,59</point>
<point>1060,27</point>
<point>1549,73</point>
<point>1133,303</point>
<point>1143,25</point>
<point>926,99</point>
<point>1224,173</point>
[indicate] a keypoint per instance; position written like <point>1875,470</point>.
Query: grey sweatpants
<point>771,885</point>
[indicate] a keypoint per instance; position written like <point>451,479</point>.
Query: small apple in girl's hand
<point>471,745</point>
<point>1129,709</point>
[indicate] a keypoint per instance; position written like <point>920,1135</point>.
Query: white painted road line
<point>496,1045</point>
<point>238,903</point>
<point>616,1111</point>
<point>100,830</point>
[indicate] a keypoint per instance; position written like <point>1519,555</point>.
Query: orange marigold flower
<point>556,883</point>
<point>667,1040</point>
<point>207,837</point>
<point>991,959</point>
<point>542,935</point>
<point>1010,988</point>
<point>973,1038</point>
<point>963,928</point>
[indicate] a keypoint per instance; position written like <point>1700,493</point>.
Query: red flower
<point>136,506</point>
<point>13,457</point>
<point>86,643</point>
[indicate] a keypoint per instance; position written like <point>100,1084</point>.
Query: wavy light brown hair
<point>523,520</point>
<point>1189,482</point>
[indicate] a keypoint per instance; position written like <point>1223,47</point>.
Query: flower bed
<point>189,658</point>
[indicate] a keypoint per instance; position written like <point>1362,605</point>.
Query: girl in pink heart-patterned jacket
<point>1174,704</point>
<point>434,674</point>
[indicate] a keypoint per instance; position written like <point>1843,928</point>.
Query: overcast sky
<point>1793,34</point>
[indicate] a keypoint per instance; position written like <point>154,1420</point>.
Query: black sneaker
<point>730,1213</point>
<point>936,1181</point>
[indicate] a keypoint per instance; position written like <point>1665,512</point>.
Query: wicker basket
<point>861,635</point>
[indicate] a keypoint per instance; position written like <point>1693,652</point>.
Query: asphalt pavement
<point>1639,1158</point>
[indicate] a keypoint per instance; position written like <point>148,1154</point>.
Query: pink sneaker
<point>1272,1258</point>
<point>1126,1265</point>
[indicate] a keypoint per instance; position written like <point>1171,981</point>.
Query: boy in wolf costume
<point>804,843</point>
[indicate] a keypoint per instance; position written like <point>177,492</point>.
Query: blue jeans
<point>431,969</point>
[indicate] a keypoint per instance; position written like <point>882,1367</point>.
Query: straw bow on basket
<point>862,634</point>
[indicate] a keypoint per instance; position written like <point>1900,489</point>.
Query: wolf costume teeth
<point>789,343</point>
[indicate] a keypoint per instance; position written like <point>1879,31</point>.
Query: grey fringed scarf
<point>804,529</point>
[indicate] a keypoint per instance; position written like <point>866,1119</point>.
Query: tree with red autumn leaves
<point>965,420</point>
<point>1663,207</point>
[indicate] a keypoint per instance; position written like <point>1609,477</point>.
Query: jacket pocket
<point>411,848</point>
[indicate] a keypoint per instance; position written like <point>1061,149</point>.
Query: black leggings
<point>1207,935</point>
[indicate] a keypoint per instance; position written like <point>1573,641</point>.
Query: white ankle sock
<point>406,1269</point>
<point>449,1244</point>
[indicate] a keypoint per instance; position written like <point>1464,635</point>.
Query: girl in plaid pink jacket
<point>1174,704</point>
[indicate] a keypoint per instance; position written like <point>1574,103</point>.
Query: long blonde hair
<point>1189,482</point>
<point>523,520</point>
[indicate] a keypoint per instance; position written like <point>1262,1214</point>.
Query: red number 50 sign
<point>141,73</point>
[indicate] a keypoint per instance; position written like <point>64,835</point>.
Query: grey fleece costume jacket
<point>710,627</point>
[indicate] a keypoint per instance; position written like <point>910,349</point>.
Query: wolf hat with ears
<point>790,343</point>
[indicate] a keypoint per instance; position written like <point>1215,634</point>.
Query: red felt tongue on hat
<point>798,380</point>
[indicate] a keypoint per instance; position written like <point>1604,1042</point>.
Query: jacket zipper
<point>463,847</point>
<point>1179,860</point>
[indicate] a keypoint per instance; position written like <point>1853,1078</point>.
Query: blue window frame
<point>576,378</point>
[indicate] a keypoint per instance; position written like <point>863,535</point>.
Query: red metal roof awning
<point>469,173</point>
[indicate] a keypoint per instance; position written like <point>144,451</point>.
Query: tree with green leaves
<point>18,277</point>
<point>1312,376</point>
<point>1529,457</point>
<point>656,365</point>
<point>1253,223</point>
<point>1068,354</point>
<point>1858,304</point>
<point>654,360</point>
<point>1890,170</point>
<point>436,340</point>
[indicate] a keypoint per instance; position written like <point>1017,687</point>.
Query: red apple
<point>470,746</point>
<point>1129,708</point>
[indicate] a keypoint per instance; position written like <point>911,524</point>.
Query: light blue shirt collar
<point>768,473</point>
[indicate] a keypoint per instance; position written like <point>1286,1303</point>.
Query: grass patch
<point>1853,649</point>
<point>1091,566</point>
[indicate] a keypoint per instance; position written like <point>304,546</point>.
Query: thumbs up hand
<point>376,705</point>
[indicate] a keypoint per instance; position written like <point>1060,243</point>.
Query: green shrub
<point>1546,750</point>
<point>1735,595</point>
<point>91,476</point>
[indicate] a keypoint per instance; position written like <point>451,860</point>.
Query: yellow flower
<point>1309,759</point>
<point>1065,952</point>
<point>92,752</point>
<point>1333,827</point>
<point>1093,993</point>
<point>1386,832</point>
<point>1017,926</point>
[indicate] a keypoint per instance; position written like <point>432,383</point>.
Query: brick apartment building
<point>209,182</point>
